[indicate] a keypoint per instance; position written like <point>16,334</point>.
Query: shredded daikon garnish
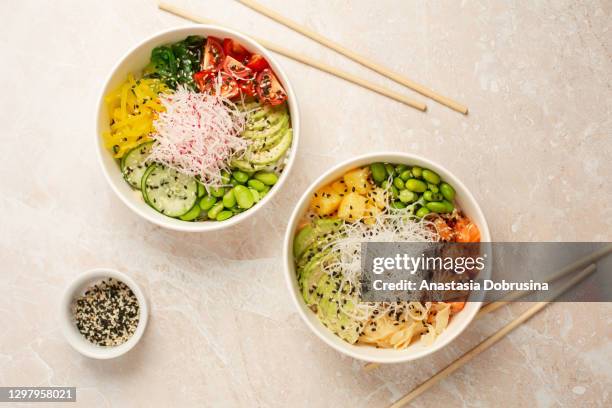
<point>344,259</point>
<point>198,134</point>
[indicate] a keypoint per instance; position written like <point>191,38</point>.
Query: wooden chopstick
<point>423,90</point>
<point>306,60</point>
<point>461,361</point>
<point>493,306</point>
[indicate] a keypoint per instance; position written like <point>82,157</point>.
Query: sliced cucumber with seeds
<point>168,191</point>
<point>133,164</point>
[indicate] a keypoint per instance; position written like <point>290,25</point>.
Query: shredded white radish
<point>198,134</point>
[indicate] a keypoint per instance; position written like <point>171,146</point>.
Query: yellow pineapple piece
<point>371,211</point>
<point>352,207</point>
<point>357,180</point>
<point>325,201</point>
<point>378,197</point>
<point>340,187</point>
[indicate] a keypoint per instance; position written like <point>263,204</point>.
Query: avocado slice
<point>245,165</point>
<point>308,235</point>
<point>259,121</point>
<point>332,307</point>
<point>268,131</point>
<point>275,153</point>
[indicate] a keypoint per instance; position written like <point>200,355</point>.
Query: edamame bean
<point>255,195</point>
<point>416,185</point>
<point>431,176</point>
<point>431,196</point>
<point>440,207</point>
<point>268,179</point>
<point>224,215</point>
<point>417,172</point>
<point>244,198</point>
<point>421,212</point>
<point>398,205</point>
<point>399,183</point>
<point>447,191</point>
<point>385,184</point>
<point>229,200</point>
<point>237,210</point>
<point>433,188</point>
<point>201,190</point>
<point>234,182</point>
<point>215,210</point>
<point>257,185</point>
<point>264,192</point>
<point>217,192</point>
<point>394,192</point>
<point>225,177</point>
<point>405,175</point>
<point>207,203</point>
<point>407,196</point>
<point>240,176</point>
<point>191,214</point>
<point>390,170</point>
<point>379,174</point>
<point>400,168</point>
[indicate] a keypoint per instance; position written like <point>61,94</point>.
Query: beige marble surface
<point>535,149</point>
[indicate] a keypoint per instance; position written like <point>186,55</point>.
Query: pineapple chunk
<point>357,181</point>
<point>378,196</point>
<point>325,201</point>
<point>352,207</point>
<point>339,187</point>
<point>371,211</point>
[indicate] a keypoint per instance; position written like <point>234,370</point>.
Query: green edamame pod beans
<point>215,210</point>
<point>433,188</point>
<point>431,196</point>
<point>234,182</point>
<point>207,203</point>
<point>217,192</point>
<point>416,185</point>
<point>257,185</point>
<point>264,192</point>
<point>440,207</point>
<point>244,198</point>
<point>385,184</point>
<point>268,179</point>
<point>390,170</point>
<point>447,191</point>
<point>394,192</point>
<point>229,200</point>
<point>191,214</point>
<point>421,212</point>
<point>224,215</point>
<point>201,190</point>
<point>407,196</point>
<point>398,205</point>
<point>225,177</point>
<point>405,175</point>
<point>399,183</point>
<point>431,176</point>
<point>255,195</point>
<point>417,172</point>
<point>400,168</point>
<point>240,176</point>
<point>379,174</point>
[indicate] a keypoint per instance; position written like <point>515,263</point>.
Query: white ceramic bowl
<point>133,62</point>
<point>465,201</point>
<point>72,334</point>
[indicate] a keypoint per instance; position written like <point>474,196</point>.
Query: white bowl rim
<point>341,346</point>
<point>202,226</point>
<point>71,333</point>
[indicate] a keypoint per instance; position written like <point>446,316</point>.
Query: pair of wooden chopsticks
<point>327,68</point>
<point>490,341</point>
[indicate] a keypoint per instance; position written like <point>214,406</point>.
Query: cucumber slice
<point>133,164</point>
<point>168,191</point>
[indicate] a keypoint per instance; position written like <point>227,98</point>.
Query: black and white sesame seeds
<point>107,314</point>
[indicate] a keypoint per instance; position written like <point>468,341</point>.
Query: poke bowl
<point>197,128</point>
<point>378,197</point>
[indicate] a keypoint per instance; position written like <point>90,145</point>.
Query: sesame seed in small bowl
<point>103,313</point>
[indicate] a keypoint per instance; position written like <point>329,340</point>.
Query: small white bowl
<point>133,62</point>
<point>468,205</point>
<point>71,332</point>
